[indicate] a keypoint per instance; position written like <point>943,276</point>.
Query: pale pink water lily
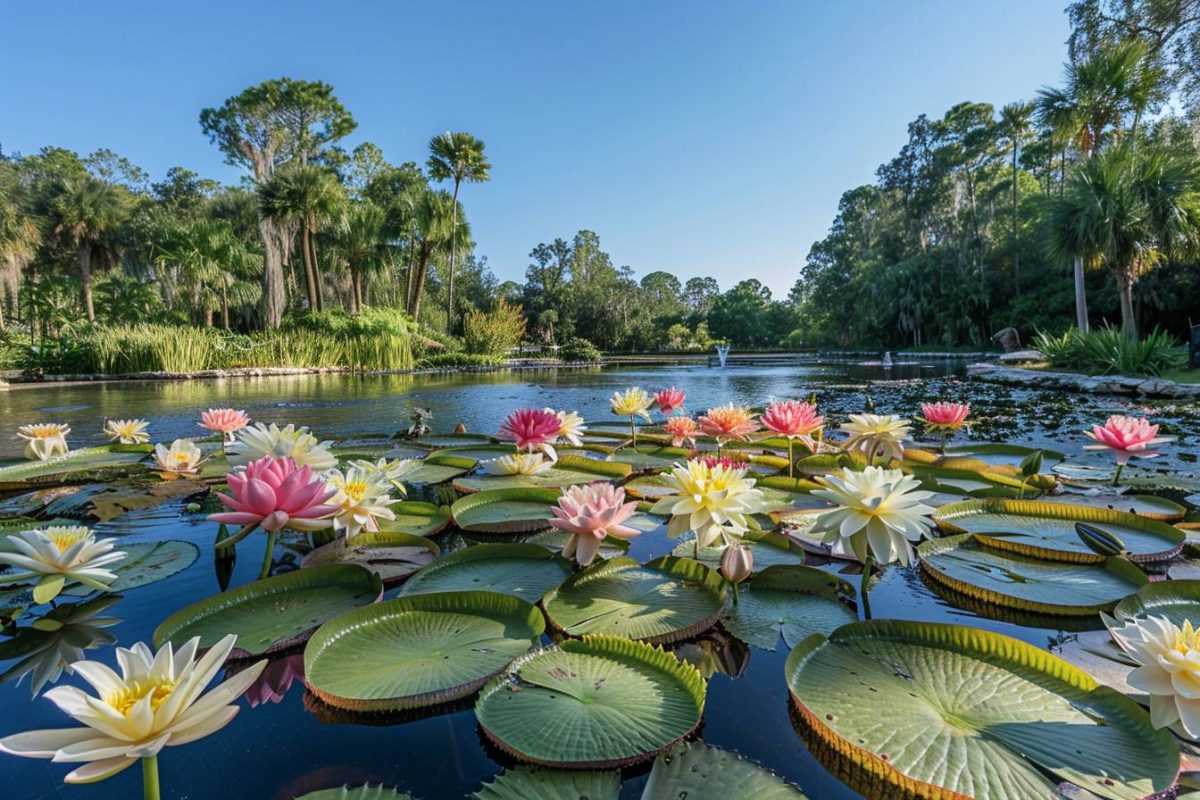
<point>183,457</point>
<point>44,440</point>
<point>669,400</point>
<point>793,419</point>
<point>532,429</point>
<point>1126,437</point>
<point>728,423</point>
<point>681,430</point>
<point>944,416</point>
<point>589,513</point>
<point>225,421</point>
<point>274,493</point>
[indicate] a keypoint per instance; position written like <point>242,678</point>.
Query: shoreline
<point>1124,385</point>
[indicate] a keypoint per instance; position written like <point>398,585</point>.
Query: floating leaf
<point>569,470</point>
<point>418,651</point>
<point>439,469</point>
<point>106,460</point>
<point>793,602</point>
<point>770,549</point>
<point>146,563</point>
<point>1144,505</point>
<point>506,510</point>
<point>392,555</point>
<point>1177,600</point>
<point>526,571</point>
<point>539,783</point>
<point>697,771</point>
<point>555,540</point>
<point>364,792</point>
<point>417,518</point>
<point>608,702</point>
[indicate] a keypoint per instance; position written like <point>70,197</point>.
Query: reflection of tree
<point>52,642</point>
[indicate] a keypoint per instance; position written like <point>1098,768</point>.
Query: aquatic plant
<point>712,501</point>
<point>518,464</point>
<point>793,419</point>
<point>634,402</point>
<point>532,429</point>
<point>58,554</point>
<point>44,440</point>
<point>571,428</point>
<point>681,430</point>
<point>1168,668</point>
<point>726,424</point>
<point>669,400</point>
<point>127,431</point>
<point>361,497</point>
<point>225,421</point>
<point>258,440</point>
<point>183,457</point>
<point>737,564</point>
<point>590,512</point>
<point>876,436</point>
<point>944,418</point>
<point>1126,437</point>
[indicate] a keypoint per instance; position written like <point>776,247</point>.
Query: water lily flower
<point>713,501</point>
<point>1168,658</point>
<point>225,421</point>
<point>669,400</point>
<point>127,431</point>
<point>518,464</point>
<point>393,469</point>
<point>877,435</point>
<point>273,493</point>
<point>183,457</point>
<point>1126,437</point>
<point>737,562</point>
<point>155,702</point>
<point>258,440</point>
<point>44,440</point>
<point>728,424</point>
<point>681,429</point>
<point>362,499</point>
<point>793,419</point>
<point>571,428</point>
<point>58,554</point>
<point>532,429</point>
<point>276,680</point>
<point>589,513</point>
<point>878,512</point>
<point>633,402</point>
<point>944,416</point>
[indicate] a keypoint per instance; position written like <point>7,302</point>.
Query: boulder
<point>1008,338</point>
<point>1022,357</point>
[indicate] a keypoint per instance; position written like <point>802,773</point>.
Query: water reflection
<point>47,644</point>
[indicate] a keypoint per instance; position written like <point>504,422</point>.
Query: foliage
<point>494,332</point>
<point>446,360</point>
<point>579,349</point>
<point>1105,350</point>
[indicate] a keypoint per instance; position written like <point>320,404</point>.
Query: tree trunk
<point>208,317</point>
<point>414,309</point>
<point>85,280</point>
<point>274,298</point>
<point>453,243</point>
<point>1081,312</point>
<point>224,307</point>
<point>309,274</point>
<point>1129,327</point>
<point>316,272</point>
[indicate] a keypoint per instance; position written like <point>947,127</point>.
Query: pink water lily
<point>945,416</point>
<point>728,423</point>
<point>590,512</point>
<point>681,429</point>
<point>224,420</point>
<point>274,493</point>
<point>1127,437</point>
<point>669,400</point>
<point>532,429</point>
<point>792,418</point>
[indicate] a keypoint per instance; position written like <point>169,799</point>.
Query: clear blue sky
<point>702,138</point>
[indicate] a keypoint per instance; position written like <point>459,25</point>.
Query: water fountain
<point>722,353</point>
<point>887,359</point>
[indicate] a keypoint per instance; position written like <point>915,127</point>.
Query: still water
<point>280,750</point>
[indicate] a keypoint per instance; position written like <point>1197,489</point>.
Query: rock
<point>1022,357</point>
<point>1008,338</point>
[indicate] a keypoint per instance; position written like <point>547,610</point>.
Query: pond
<point>283,749</point>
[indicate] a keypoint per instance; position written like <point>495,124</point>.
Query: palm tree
<point>86,213</point>
<point>310,197</point>
<point>217,267</point>
<point>435,229</point>
<point>458,157</point>
<point>1015,125</point>
<point>1129,211</point>
<point>362,241</point>
<point>19,240</point>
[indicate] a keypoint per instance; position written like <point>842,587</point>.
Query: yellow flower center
<point>1187,640</point>
<point>183,457</point>
<point>126,698</point>
<point>65,538</point>
<point>355,490</point>
<point>45,431</point>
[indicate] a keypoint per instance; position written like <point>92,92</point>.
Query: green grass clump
<point>1104,351</point>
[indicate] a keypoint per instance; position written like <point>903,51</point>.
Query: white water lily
<point>393,469</point>
<point>518,464</point>
<point>712,499</point>
<point>57,554</point>
<point>1168,670</point>
<point>44,440</point>
<point>155,702</point>
<point>127,431</point>
<point>571,428</point>
<point>255,441</point>
<point>362,499</point>
<point>877,435</point>
<point>879,511</point>
<point>182,457</point>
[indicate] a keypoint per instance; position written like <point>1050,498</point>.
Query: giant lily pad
<point>666,600</point>
<point>599,703</point>
<point>1028,584</point>
<point>1047,530</point>
<point>938,711</point>
<point>526,571</point>
<point>697,771</point>
<point>569,470</point>
<point>1144,505</point>
<point>273,613</point>
<point>793,602</point>
<point>418,651</point>
<point>1134,477</point>
<point>417,518</point>
<point>364,792</point>
<point>769,549</point>
<point>539,783</point>
<point>1178,601</point>
<point>106,460</point>
<point>439,469</point>
<point>523,510</point>
<point>391,555</point>
<point>146,563</point>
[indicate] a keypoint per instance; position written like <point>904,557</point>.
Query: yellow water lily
<point>58,554</point>
<point>877,435</point>
<point>255,441</point>
<point>633,402</point>
<point>712,499</point>
<point>392,469</point>
<point>127,431</point>
<point>183,457</point>
<point>571,428</point>
<point>518,464</point>
<point>1168,658</point>
<point>362,499</point>
<point>879,511</point>
<point>44,440</point>
<point>156,701</point>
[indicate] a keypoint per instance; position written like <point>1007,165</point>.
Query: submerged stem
<point>1117,476</point>
<point>150,777</point>
<point>864,587</point>
<point>268,557</point>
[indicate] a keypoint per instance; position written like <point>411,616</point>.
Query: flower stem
<point>790,462</point>
<point>1117,476</point>
<point>150,777</point>
<point>268,557</point>
<point>864,587</point>
<point>735,592</point>
<point>633,431</point>
<point>945,438</point>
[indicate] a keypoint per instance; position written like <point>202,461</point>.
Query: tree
<point>309,197</point>
<point>361,239</point>
<point>435,226</point>
<point>456,157</point>
<point>1015,123</point>
<point>214,267</point>
<point>19,237</point>
<point>267,125</point>
<point>86,214</point>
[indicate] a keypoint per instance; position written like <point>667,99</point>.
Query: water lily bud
<point>1098,540</point>
<point>1031,464</point>
<point>460,427</point>
<point>192,508</point>
<point>737,563</point>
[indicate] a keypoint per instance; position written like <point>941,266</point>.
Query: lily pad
<point>1028,584</point>
<point>555,540</point>
<point>697,771</point>
<point>439,469</point>
<point>1177,600</point>
<point>526,571</point>
<point>793,602</point>
<point>1133,476</point>
<point>934,710</point>
<point>666,600</point>
<point>364,792</point>
<point>1047,530</point>
<point>769,549</point>
<point>417,518</point>
<point>597,703</point>
<point>569,470</point>
<point>107,460</point>
<point>392,555</point>
<point>146,563</point>
<point>539,783</point>
<point>525,510</point>
<point>418,651</point>
<point>273,613</point>
<point>1144,505</point>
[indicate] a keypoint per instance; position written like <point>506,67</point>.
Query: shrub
<point>440,360</point>
<point>493,332</point>
<point>578,349</point>
<point>1105,350</point>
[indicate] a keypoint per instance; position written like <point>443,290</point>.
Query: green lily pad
<point>525,510</point>
<point>364,792</point>
<point>792,602</point>
<point>1047,530</point>
<point>666,600</point>
<point>392,555</point>
<point>539,783</point>
<point>146,563</point>
<point>443,441</point>
<point>555,540</point>
<point>526,571</point>
<point>418,651</point>
<point>107,460</point>
<point>1133,476</point>
<point>697,771</point>
<point>274,613</point>
<point>597,703</point>
<point>569,470</point>
<point>1027,584</point>
<point>929,710</point>
<point>1177,600</point>
<point>1144,505</point>
<point>417,518</point>
<point>439,469</point>
<point>769,549</point>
